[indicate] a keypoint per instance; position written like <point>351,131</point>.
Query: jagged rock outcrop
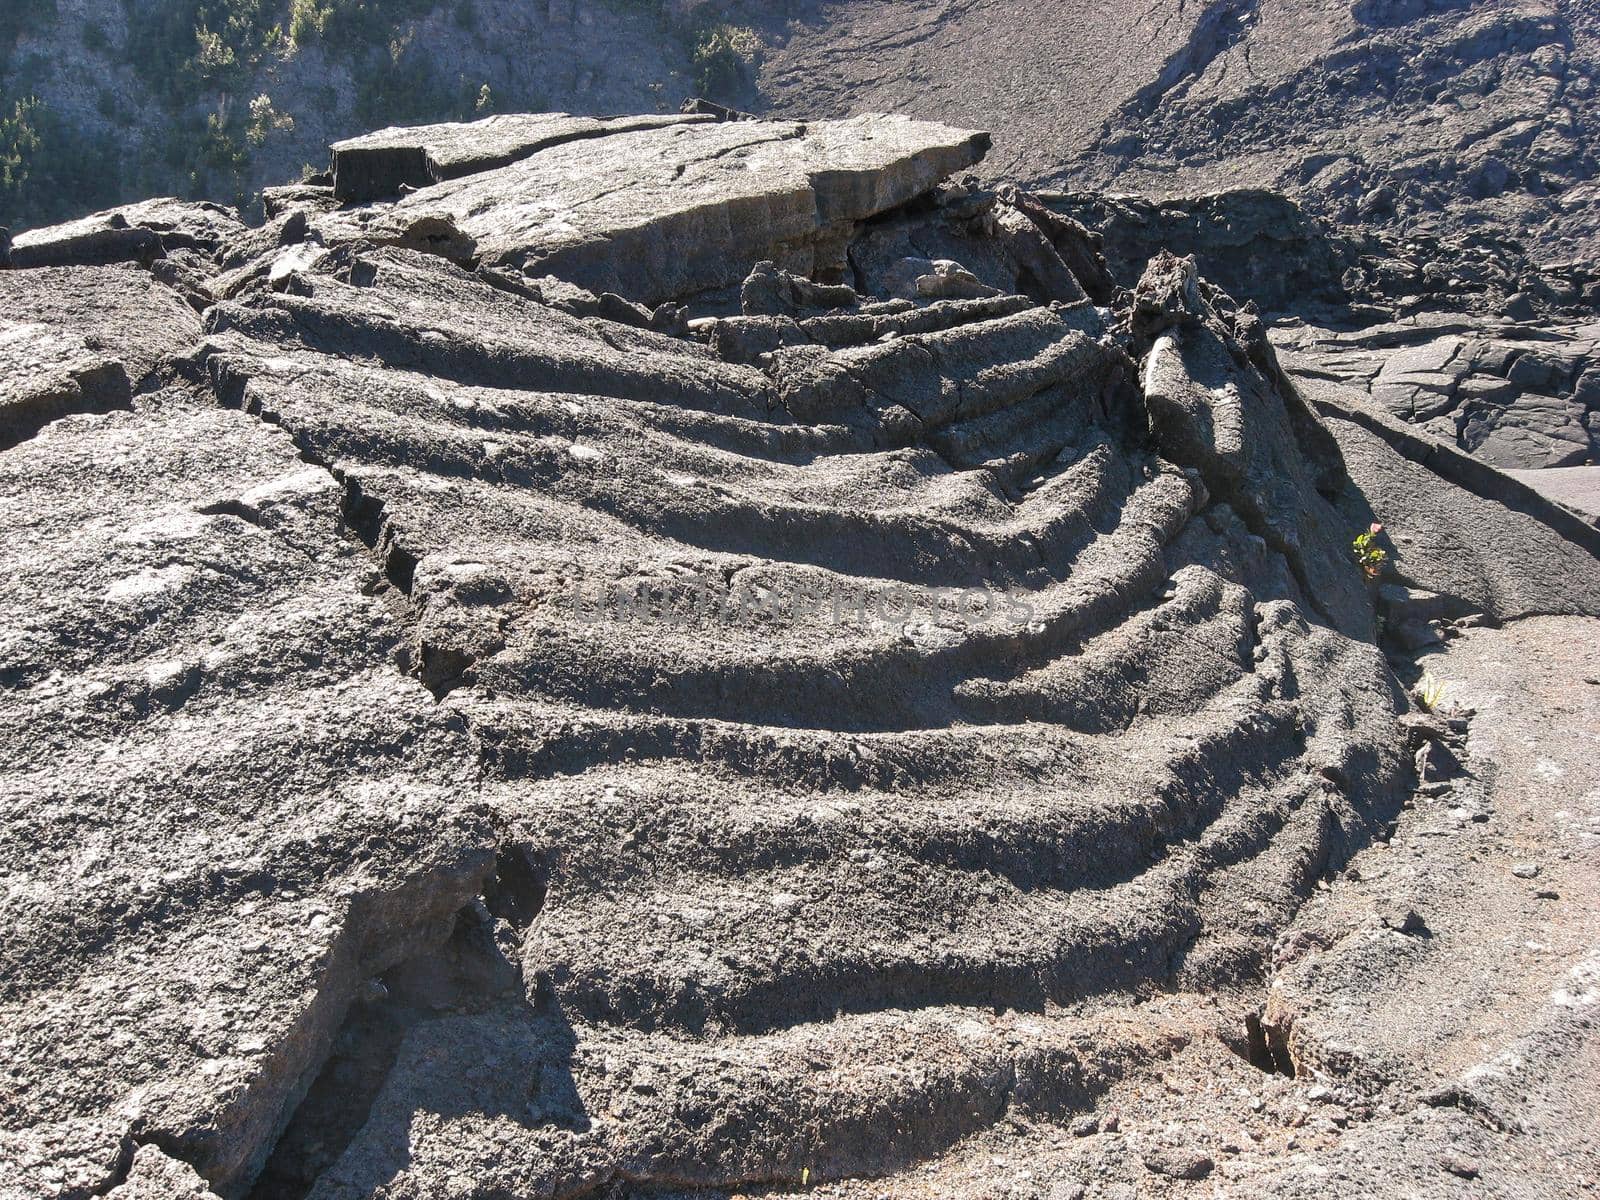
<point>1519,396</point>
<point>668,212</point>
<point>463,734</point>
<point>134,233</point>
<point>1255,244</point>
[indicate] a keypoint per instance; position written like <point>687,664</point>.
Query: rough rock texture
<point>135,233</point>
<point>665,213</point>
<point>1429,1028</point>
<point>1255,244</point>
<point>81,340</point>
<point>380,164</point>
<point>1414,118</point>
<point>1519,396</point>
<point>464,735</point>
<point>1488,545</point>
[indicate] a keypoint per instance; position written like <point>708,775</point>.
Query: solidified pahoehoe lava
<point>464,734</point>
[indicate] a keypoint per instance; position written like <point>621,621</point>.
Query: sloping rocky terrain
<point>1374,169</point>
<point>683,657</point>
<point>1412,117</point>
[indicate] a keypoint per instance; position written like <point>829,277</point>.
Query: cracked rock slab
<point>134,233</point>
<point>380,164</point>
<point>663,213</point>
<point>222,808</point>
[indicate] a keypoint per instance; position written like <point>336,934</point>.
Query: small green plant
<point>1430,692</point>
<point>308,21</point>
<point>1370,556</point>
<point>214,59</point>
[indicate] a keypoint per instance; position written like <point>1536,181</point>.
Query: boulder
<point>664,213</point>
<point>389,161</point>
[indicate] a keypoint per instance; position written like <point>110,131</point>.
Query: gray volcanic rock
<point>1577,488</point>
<point>608,589</point>
<point>1489,544</point>
<point>45,374</point>
<point>135,233</point>
<point>1418,118</point>
<point>381,164</point>
<point>1516,395</point>
<point>117,311</point>
<point>1254,244</point>
<point>224,809</point>
<point>454,742</point>
<point>664,213</point>
<point>81,339</point>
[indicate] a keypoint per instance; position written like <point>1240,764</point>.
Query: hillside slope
<point>1413,115</point>
<point>1417,117</point>
<point>216,99</point>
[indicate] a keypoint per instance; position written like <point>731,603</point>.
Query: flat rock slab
<point>223,809</point>
<point>1574,487</point>
<point>135,233</point>
<point>117,311</point>
<point>659,214</point>
<point>81,339</point>
<point>381,163</point>
<point>45,374</point>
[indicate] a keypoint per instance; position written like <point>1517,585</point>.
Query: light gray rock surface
<point>378,165</point>
<point>81,339</point>
<point>134,233</point>
<point>664,213</point>
<point>1491,544</point>
<point>461,734</point>
<point>1516,395</point>
<point>1577,488</point>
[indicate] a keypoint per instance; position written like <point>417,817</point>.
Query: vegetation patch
<point>724,57</point>
<point>50,170</point>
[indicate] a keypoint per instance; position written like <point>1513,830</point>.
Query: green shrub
<point>264,120</point>
<point>722,55</point>
<point>308,20</point>
<point>185,49</point>
<point>50,171</point>
<point>20,144</point>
